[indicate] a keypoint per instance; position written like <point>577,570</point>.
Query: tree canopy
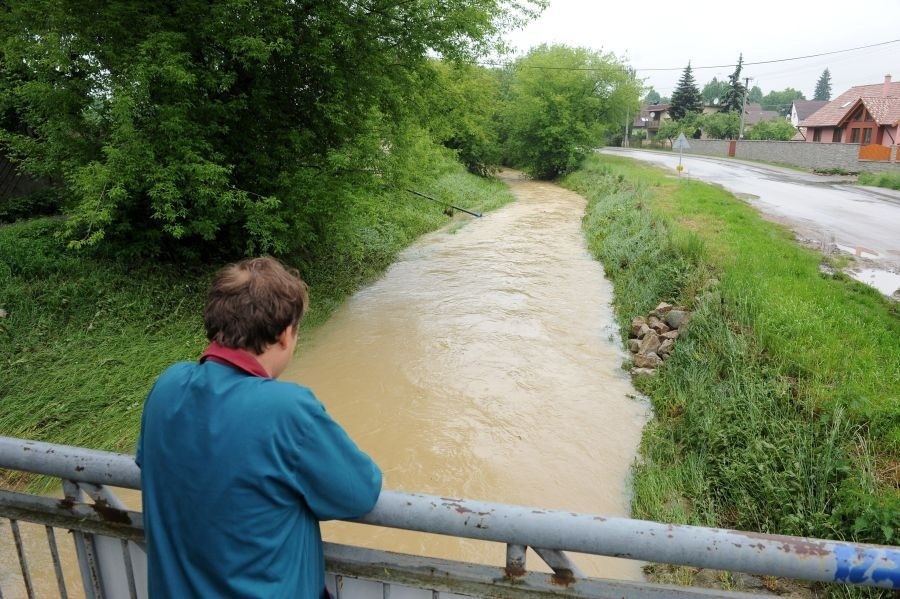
<point>755,95</point>
<point>207,122</point>
<point>823,86</point>
<point>560,103</point>
<point>781,101</point>
<point>721,125</point>
<point>776,129</point>
<point>686,97</point>
<point>714,91</point>
<point>652,97</point>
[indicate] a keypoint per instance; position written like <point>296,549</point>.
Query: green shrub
<point>891,180</point>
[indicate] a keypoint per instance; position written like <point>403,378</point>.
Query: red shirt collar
<point>239,359</point>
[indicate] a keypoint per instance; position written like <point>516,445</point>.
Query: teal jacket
<point>237,471</point>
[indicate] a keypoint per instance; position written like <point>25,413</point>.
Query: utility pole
<point>744,106</point>
<point>625,143</point>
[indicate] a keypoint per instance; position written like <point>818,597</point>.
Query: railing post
<point>85,550</point>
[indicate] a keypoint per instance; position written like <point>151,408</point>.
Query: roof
<point>806,108</point>
<point>885,111</point>
<point>754,114</point>
<point>833,112</point>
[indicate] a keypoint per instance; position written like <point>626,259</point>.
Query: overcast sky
<point>707,33</point>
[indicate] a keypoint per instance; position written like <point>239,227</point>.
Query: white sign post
<point>680,144</point>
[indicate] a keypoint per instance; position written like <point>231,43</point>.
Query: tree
<point>721,125</point>
<point>555,116</point>
<point>755,95</point>
<point>689,125</point>
<point>686,97</point>
<point>823,86</point>
<point>714,91</point>
<point>652,97</point>
<point>211,124</point>
<point>463,113</point>
<point>776,129</point>
<point>734,96</point>
<point>781,101</point>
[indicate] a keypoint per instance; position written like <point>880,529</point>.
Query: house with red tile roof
<point>864,114</point>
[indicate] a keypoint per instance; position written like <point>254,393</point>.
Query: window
<point>858,115</point>
<point>867,136</point>
<point>836,136</point>
<point>854,136</point>
<point>817,134</point>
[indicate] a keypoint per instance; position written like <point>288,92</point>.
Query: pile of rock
<point>653,338</point>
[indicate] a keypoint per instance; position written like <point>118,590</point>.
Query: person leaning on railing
<point>238,468</point>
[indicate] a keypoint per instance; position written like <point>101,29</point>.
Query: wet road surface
<point>828,212</point>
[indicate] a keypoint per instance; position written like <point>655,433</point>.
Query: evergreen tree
<point>686,97</point>
<point>734,97</point>
<point>823,86</point>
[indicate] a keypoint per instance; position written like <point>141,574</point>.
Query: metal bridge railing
<point>109,541</point>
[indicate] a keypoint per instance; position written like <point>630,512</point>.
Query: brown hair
<point>251,302</point>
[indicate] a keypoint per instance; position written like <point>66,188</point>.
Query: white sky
<point>714,32</point>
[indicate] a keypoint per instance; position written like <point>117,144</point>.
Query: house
<point>864,114</point>
<point>650,117</point>
<point>802,110</point>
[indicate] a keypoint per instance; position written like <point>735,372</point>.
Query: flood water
<point>484,365</point>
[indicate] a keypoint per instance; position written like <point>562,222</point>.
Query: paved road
<point>827,211</point>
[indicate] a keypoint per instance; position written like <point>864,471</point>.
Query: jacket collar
<point>239,359</point>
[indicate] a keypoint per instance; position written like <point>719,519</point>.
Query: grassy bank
<point>890,180</point>
<point>85,336</point>
<point>779,411</point>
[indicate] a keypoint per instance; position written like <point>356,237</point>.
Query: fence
<point>109,542</point>
<point>823,156</point>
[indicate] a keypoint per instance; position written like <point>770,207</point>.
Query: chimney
<point>886,90</point>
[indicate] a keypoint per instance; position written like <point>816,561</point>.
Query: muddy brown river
<point>483,365</point>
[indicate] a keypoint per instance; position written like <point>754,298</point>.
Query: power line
<point>748,64</point>
<point>693,68</point>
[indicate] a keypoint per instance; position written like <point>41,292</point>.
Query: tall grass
<point>86,335</point>
<point>891,180</point>
<point>779,409</point>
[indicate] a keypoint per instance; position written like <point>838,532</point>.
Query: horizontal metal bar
<point>73,463</point>
<point>490,581</point>
<point>754,553</point>
<point>61,513</point>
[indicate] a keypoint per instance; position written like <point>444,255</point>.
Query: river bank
<point>83,336</point>
<point>778,410</point>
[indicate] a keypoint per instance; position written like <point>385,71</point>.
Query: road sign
<point>681,143</point>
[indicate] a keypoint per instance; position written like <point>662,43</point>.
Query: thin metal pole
<point>57,565</point>
<point>23,563</point>
<point>129,569</point>
<point>744,107</point>
<point>84,548</point>
<point>443,203</point>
